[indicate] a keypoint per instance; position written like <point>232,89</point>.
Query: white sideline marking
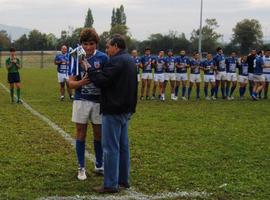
<point>129,194</point>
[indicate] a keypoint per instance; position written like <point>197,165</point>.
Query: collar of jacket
<point>122,51</point>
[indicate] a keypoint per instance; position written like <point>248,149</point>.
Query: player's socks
<point>12,94</point>
<point>189,91</point>
<point>206,91</point>
<point>223,92</point>
<point>216,91</point>
<point>80,149</point>
<point>98,153</point>
<point>184,91</point>
<point>250,90</point>
<point>244,90</point>
<point>18,94</point>
<point>212,91</point>
<point>176,91</point>
<point>232,90</point>
<point>227,91</point>
<point>241,92</point>
<point>198,92</point>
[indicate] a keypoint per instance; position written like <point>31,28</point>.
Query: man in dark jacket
<point>118,83</point>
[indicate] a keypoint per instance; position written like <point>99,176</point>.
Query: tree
<point>247,34</point>
<point>89,20</point>
<point>4,40</point>
<point>209,36</point>
<point>118,16</point>
<point>22,43</point>
<point>37,40</point>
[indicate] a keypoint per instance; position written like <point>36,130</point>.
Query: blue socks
<point>205,91</point>
<point>183,91</point>
<point>227,91</point>
<point>223,91</point>
<point>213,91</point>
<point>176,90</point>
<point>189,91</point>
<point>99,153</point>
<point>198,92</point>
<point>232,90</point>
<point>80,149</point>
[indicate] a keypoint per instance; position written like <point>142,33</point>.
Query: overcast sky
<point>143,16</point>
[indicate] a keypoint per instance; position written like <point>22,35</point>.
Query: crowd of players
<point>218,72</point>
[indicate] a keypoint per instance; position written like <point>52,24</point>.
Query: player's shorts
<point>195,78</point>
<point>14,77</point>
<point>243,79</point>
<point>84,111</point>
<point>169,76</point>
<point>231,77</point>
<point>221,76</point>
<point>181,77</point>
<point>258,78</point>
<point>267,77</point>
<point>159,77</point>
<point>209,78</point>
<point>138,77</point>
<point>62,77</point>
<point>146,76</point>
<point>250,76</point>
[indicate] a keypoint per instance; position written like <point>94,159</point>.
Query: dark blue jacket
<point>118,83</point>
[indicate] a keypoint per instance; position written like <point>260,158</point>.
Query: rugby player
<point>209,68</point>
<point>231,65</point>
<point>258,77</point>
<point>86,105</point>
<point>181,74</point>
<point>159,67</point>
<point>243,76</point>
<point>137,62</point>
<point>266,72</point>
<point>147,76</point>
<point>62,62</point>
<point>195,76</point>
<point>221,74</point>
<point>170,73</point>
<point>13,65</point>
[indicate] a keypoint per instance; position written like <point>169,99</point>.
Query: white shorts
<point>181,77</point>
<point>231,77</point>
<point>258,78</point>
<point>267,77</point>
<point>84,111</point>
<point>209,78</point>
<point>250,76</point>
<point>169,76</point>
<point>159,77</point>
<point>147,76</point>
<point>243,79</point>
<point>195,78</point>
<point>62,77</point>
<point>138,77</point>
<point>221,76</point>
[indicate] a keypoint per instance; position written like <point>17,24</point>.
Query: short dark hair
<point>267,50</point>
<point>147,49</point>
<point>12,49</point>
<point>89,35</point>
<point>218,49</point>
<point>118,40</point>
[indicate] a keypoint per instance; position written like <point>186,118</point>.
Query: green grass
<point>175,146</point>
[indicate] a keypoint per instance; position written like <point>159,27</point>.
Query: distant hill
<point>14,31</point>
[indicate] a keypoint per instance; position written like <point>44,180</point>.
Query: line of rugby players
<point>218,71</point>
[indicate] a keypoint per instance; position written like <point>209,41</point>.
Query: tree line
<point>247,35</point>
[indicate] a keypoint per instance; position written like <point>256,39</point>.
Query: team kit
<point>219,72</point>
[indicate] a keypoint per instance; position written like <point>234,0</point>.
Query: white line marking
<point>130,194</point>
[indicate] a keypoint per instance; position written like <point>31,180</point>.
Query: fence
<point>35,59</point>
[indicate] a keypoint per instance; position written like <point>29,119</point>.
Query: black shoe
<point>19,101</point>
<point>123,186</point>
<point>104,190</point>
<point>147,98</point>
<point>141,98</point>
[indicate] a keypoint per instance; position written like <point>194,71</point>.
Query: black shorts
<point>14,78</point>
